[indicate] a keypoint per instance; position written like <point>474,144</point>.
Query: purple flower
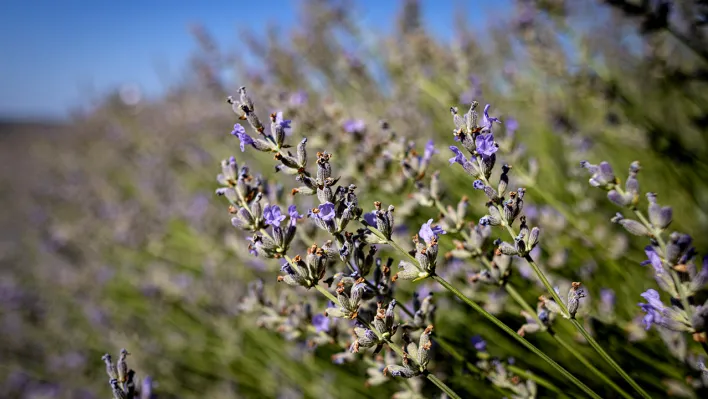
<point>485,145</point>
<point>479,344</point>
<point>654,309</point>
<point>429,233</point>
<point>459,156</point>
<point>607,297</point>
<point>370,218</point>
<point>298,98</point>
<point>511,126</point>
<point>654,260</point>
<point>326,212</point>
<point>478,185</point>
<point>284,123</point>
<point>272,215</point>
<point>320,322</point>
<point>240,132</point>
<point>294,215</point>
<point>287,268</point>
<point>429,150</point>
<point>146,389</point>
<point>488,120</point>
<point>354,126</point>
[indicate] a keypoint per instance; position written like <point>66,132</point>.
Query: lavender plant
<point>337,208</point>
<point>673,262</point>
<point>118,244</point>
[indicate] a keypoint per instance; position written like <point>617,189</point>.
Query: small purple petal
<point>459,156</point>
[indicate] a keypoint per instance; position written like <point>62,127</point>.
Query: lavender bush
<point>359,241</point>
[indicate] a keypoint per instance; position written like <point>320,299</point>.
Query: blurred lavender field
<point>111,235</point>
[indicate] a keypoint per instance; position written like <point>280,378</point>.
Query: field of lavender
<point>356,221</point>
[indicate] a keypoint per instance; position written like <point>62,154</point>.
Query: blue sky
<point>58,54</point>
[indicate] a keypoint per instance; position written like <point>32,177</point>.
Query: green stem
<point>524,305</point>
<point>326,293</point>
<point>582,329</point>
<point>515,295</point>
<point>435,380</point>
<point>590,366</point>
<point>516,370</point>
<point>517,337</point>
<point>539,380</point>
<point>608,359</point>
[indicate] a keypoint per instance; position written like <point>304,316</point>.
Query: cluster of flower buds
<point>424,313</point>
<point>272,142</point>
<point>524,243</point>
<point>353,251</point>
<point>575,293</point>
<point>497,274</point>
<point>426,254</point>
<point>478,140</point>
<point>381,220</point>
<point>309,271</point>
<point>674,269</point>
<point>473,244</point>
<point>545,317</point>
<point>415,165</point>
<point>669,317</point>
<point>415,356</point>
<point>453,219</point>
<point>497,372</point>
<point>379,331</point>
<point>350,294</point>
<point>122,379</point>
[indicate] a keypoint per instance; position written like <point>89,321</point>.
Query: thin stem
<point>517,337</point>
<point>582,329</point>
<point>326,293</point>
<point>435,380</point>
<point>608,359</point>
<point>515,295</point>
<point>516,370</point>
<point>539,380</point>
<point>590,366</point>
<point>524,305</point>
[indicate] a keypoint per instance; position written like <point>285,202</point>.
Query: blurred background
<point>113,122</point>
